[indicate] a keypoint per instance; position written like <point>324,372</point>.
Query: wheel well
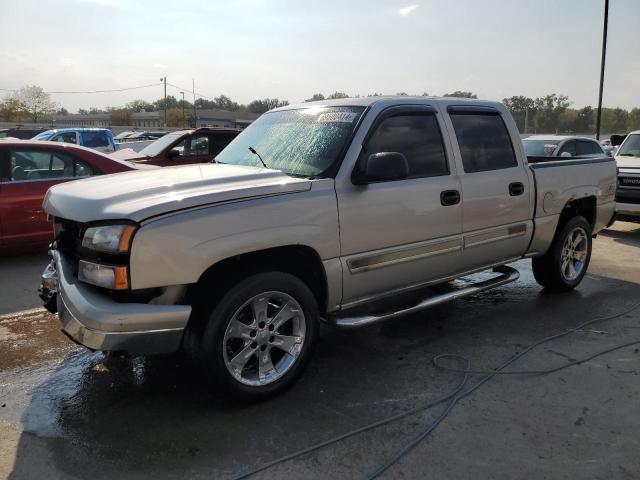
<point>299,260</point>
<point>585,207</point>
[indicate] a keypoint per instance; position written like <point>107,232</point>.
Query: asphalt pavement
<point>68,413</point>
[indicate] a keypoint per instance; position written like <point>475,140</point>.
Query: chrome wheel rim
<point>574,254</point>
<point>264,338</point>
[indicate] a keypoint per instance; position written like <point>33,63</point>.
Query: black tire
<point>214,349</point>
<point>548,268</point>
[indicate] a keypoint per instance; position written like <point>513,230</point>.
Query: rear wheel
<point>260,335</point>
<point>564,266</point>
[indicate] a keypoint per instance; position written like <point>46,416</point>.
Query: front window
<point>539,148</point>
<point>630,147</point>
<point>304,142</point>
<point>159,145</point>
<point>43,136</point>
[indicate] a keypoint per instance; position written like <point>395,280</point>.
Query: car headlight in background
<point>107,276</point>
<point>109,238</point>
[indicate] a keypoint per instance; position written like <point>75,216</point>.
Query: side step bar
<point>507,275</point>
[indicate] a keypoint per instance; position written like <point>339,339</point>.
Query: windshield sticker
<point>345,117</point>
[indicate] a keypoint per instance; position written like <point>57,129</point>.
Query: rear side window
<point>43,165</point>
<point>94,139</point>
<point>569,147</point>
<point>484,141</point>
<point>588,148</point>
<point>417,137</point>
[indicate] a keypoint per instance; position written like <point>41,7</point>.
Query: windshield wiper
<point>252,150</point>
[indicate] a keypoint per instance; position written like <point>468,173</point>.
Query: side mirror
<point>380,167</point>
<point>566,154</point>
<point>174,152</point>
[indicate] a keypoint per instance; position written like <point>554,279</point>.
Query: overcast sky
<point>290,49</point>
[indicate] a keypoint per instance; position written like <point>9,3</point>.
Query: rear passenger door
<point>395,234</point>
<point>496,209</point>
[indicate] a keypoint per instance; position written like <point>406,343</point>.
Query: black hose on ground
<point>451,398</point>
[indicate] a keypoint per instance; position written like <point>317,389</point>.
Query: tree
<point>35,103</point>
<point>225,103</point>
<point>175,118</point>
<point>62,111</point>
<point>140,106</point>
<point>614,120</point>
<point>522,108</point>
<point>461,94</point>
<point>634,120</point>
<point>10,109</point>
<point>120,116</point>
<point>82,111</point>
<point>585,120</point>
<point>402,94</point>
<point>95,110</point>
<point>204,104</point>
<point>172,102</point>
<point>315,98</point>
<point>336,95</point>
<point>548,111</point>
<point>266,104</point>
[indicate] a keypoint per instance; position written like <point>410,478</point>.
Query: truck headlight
<point>107,276</point>
<point>109,238</point>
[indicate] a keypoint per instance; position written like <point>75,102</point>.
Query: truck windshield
<point>630,147</point>
<point>303,142</point>
<point>539,148</point>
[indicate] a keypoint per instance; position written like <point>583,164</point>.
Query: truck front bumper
<point>94,320</point>
<point>628,209</point>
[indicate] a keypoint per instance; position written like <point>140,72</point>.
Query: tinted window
<point>92,139</point>
<point>67,137</point>
<point>569,147</point>
<point>42,165</point>
<point>417,137</point>
<point>484,142</point>
<point>588,148</point>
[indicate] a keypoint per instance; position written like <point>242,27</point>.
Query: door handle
<point>450,197</point>
<point>516,188</point>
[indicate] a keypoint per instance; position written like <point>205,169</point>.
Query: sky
<point>291,49</point>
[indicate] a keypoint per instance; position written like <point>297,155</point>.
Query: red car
<point>27,170</point>
<point>199,145</point>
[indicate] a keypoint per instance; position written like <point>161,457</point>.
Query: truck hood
<point>627,162</point>
<point>138,195</point>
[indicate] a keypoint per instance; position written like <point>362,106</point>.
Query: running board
<point>507,275</point>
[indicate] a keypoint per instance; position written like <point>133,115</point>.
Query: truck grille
<point>629,182</point>
<point>69,237</point>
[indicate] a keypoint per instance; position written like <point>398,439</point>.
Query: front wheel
<point>260,335</point>
<point>564,266</point>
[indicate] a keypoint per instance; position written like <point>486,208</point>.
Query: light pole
<point>604,55</point>
<point>183,119</point>
<point>164,79</point>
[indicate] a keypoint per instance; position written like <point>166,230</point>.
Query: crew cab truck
<point>343,210</point>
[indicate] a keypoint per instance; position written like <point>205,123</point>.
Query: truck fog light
<point>114,278</point>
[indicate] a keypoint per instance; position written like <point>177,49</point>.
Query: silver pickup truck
<point>346,211</point>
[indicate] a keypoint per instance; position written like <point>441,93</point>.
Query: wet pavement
<point>66,412</point>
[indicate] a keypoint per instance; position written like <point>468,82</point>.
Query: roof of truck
<point>389,99</point>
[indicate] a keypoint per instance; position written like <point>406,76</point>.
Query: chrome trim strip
<point>490,236</point>
<point>416,286</point>
<point>403,254</point>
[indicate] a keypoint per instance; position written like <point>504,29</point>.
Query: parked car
<point>27,170</point>
<point>628,194</point>
<point>182,147</point>
<point>21,133</point>
<point>562,146</point>
<point>330,210</point>
<point>100,139</point>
